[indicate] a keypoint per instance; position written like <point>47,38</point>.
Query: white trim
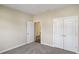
<point>67,50</point>
<point>46,44</point>
<point>36,21</point>
<point>13,47</point>
<point>76,52</point>
<point>30,42</point>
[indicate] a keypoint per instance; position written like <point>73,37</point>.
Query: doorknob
<point>64,35</point>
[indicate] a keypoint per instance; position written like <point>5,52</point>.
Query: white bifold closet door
<point>57,33</point>
<point>71,33</point>
<point>65,33</point>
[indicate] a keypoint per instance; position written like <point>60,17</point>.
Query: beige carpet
<point>36,48</point>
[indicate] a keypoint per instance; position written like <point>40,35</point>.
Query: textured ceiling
<point>34,9</point>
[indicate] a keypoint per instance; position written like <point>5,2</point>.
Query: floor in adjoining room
<point>36,48</point>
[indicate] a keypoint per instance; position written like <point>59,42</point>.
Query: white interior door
<point>57,33</point>
<point>71,33</point>
<point>30,32</point>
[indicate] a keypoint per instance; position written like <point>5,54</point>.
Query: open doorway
<point>37,30</point>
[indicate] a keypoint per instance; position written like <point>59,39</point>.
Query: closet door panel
<point>70,38</point>
<point>57,33</point>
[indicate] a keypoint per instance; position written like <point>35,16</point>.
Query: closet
<point>65,33</point>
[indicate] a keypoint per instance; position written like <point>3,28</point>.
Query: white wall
<point>12,28</point>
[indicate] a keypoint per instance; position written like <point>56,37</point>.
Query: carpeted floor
<point>36,48</point>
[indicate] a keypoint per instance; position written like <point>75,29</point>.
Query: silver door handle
<point>64,35</point>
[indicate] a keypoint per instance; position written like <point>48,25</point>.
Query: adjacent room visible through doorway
<point>37,30</point>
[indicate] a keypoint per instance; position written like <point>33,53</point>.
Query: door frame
<point>40,29</point>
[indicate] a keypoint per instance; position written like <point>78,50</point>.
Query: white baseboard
<point>46,44</point>
<point>52,46</point>
<point>30,42</point>
<point>13,47</point>
<point>77,52</point>
<point>22,45</point>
